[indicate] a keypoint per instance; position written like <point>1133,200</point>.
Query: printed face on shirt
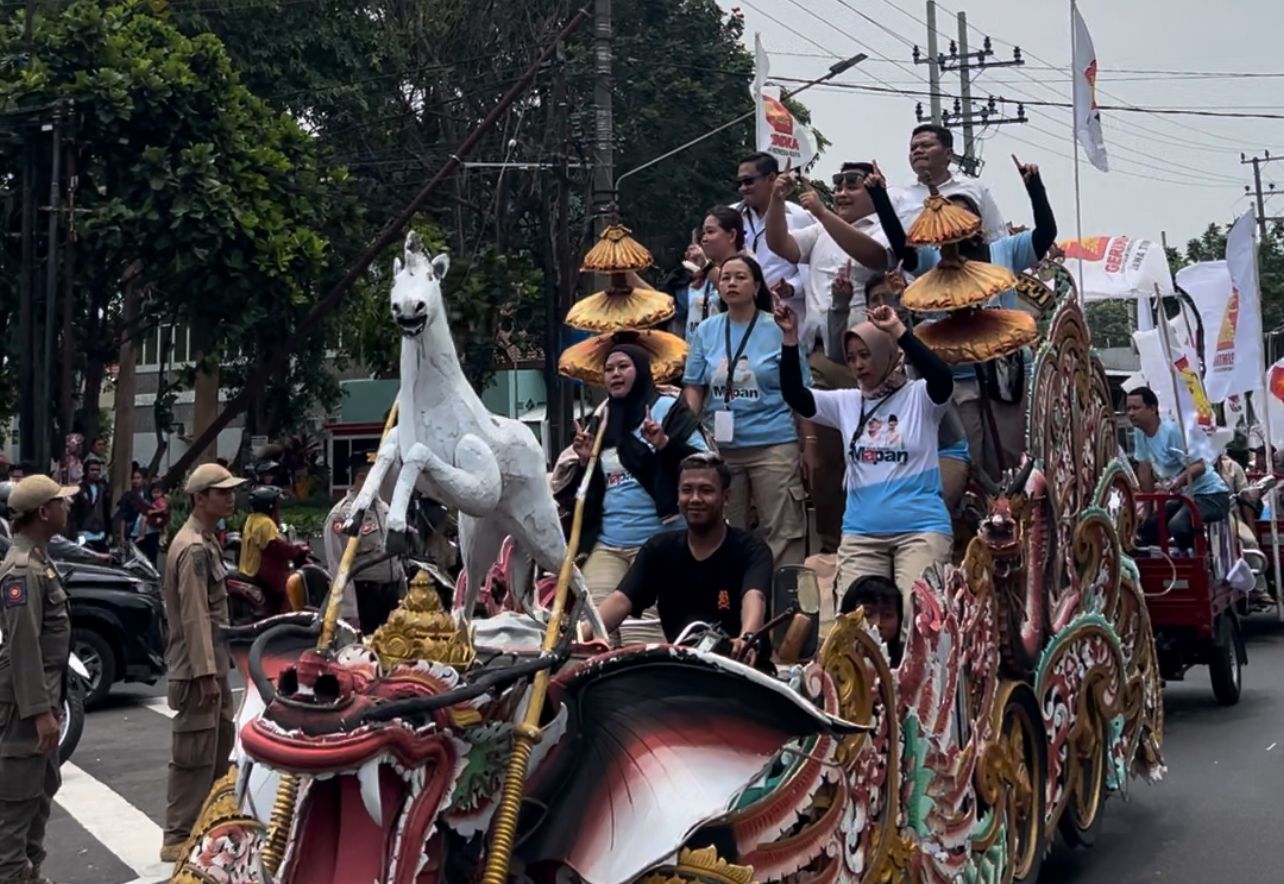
<point>744,383</point>
<point>879,443</point>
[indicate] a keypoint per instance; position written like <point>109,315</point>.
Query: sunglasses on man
<point>746,180</point>
<point>851,179</point>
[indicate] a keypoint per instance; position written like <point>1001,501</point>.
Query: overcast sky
<point>1168,173</point>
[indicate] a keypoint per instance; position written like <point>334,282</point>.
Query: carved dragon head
<point>416,287</point>
<point>1000,529</point>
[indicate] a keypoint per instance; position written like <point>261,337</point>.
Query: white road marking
<point>1272,746</point>
<point>159,704</point>
<point>115,823</point>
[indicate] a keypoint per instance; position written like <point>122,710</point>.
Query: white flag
<point>1087,118</point>
<point>782,136</point>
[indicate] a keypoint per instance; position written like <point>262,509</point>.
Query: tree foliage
<point>215,203</point>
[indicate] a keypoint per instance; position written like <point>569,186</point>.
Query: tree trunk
<point>205,403</point>
<point>95,366</point>
<point>122,444</point>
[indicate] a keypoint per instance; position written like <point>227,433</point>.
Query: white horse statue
<point>451,448</point>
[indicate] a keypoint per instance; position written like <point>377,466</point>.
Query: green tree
<point>213,203</point>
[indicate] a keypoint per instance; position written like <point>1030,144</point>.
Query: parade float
<point>444,749</point>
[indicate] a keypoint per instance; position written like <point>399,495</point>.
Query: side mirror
<point>796,601</point>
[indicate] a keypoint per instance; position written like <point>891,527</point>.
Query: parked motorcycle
<point>73,709</point>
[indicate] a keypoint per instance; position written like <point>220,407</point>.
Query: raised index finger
<point>1017,162</point>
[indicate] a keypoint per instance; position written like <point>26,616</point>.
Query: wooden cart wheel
<point>1026,749</point>
<point>1082,817</point>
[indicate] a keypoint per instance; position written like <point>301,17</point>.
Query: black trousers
<point>1212,508</point>
<point>375,603</point>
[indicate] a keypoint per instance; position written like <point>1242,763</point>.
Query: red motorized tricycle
<point>1194,596</point>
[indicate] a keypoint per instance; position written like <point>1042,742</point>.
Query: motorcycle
<point>72,725</point>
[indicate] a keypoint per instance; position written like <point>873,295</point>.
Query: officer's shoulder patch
<point>14,591</point>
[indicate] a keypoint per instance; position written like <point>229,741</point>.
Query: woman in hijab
<point>633,493</point>
<point>895,523</point>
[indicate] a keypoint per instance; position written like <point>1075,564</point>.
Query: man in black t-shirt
<point>709,572</point>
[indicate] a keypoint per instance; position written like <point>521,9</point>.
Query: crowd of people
<point>804,380</point>
<point>804,375</point>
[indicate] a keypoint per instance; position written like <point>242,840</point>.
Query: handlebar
<point>1161,518</point>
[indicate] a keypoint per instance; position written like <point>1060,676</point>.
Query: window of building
<point>341,449</point>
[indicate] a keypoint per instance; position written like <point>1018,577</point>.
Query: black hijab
<point>656,471</point>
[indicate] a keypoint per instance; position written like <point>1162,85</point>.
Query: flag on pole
<point>777,132</point>
<point>1087,117</point>
<point>1226,295</point>
<point>1275,400</point>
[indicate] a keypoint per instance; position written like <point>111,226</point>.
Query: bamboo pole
<point>527,732</point>
<point>335,598</point>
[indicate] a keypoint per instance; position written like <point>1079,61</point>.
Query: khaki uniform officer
<point>35,642</point>
<point>199,694</point>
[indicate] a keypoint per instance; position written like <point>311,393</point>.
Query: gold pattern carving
<point>420,629</point>
<point>702,866</point>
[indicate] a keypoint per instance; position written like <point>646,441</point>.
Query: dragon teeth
<point>371,797</point>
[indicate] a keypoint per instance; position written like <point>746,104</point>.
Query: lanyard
<point>753,228</point>
<point>732,360</point>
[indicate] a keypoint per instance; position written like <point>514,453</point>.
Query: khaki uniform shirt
<point>195,604</point>
<point>35,633</point>
<point>370,541</point>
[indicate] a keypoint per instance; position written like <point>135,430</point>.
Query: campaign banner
<point>1118,267</point>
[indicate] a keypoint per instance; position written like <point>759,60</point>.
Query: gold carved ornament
<point>702,866</point>
<point>421,629</point>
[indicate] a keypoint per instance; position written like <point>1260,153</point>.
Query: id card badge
<point>724,426</point>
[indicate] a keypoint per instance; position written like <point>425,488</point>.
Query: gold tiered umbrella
<point>956,283</point>
<point>941,222</point>
<point>972,335</point>
<point>620,306</point>
<point>960,286</point>
<point>586,360</point>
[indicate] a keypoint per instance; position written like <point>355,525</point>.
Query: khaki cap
<point>210,475</point>
<point>33,492</point>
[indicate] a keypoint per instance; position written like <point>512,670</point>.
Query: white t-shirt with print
<point>893,478</point>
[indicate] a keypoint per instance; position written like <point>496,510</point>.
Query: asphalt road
<point>1217,816</point>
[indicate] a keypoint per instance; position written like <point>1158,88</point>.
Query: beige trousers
<point>902,557</point>
<point>770,478</point>
<point>603,571</point>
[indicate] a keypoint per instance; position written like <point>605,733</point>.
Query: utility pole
<point>1257,163</point>
<point>969,65</point>
<point>604,115</point>
<point>26,271</point>
<point>44,395</point>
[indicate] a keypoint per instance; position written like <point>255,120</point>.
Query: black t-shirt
<point>666,575</point>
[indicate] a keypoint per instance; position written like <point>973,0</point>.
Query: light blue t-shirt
<point>1013,252</point>
<point>761,415</point>
<point>893,477</point>
<point>695,305</point>
<point>628,511</point>
<point>1166,453</point>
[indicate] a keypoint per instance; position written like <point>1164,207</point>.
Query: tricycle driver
<point>1163,464</point>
